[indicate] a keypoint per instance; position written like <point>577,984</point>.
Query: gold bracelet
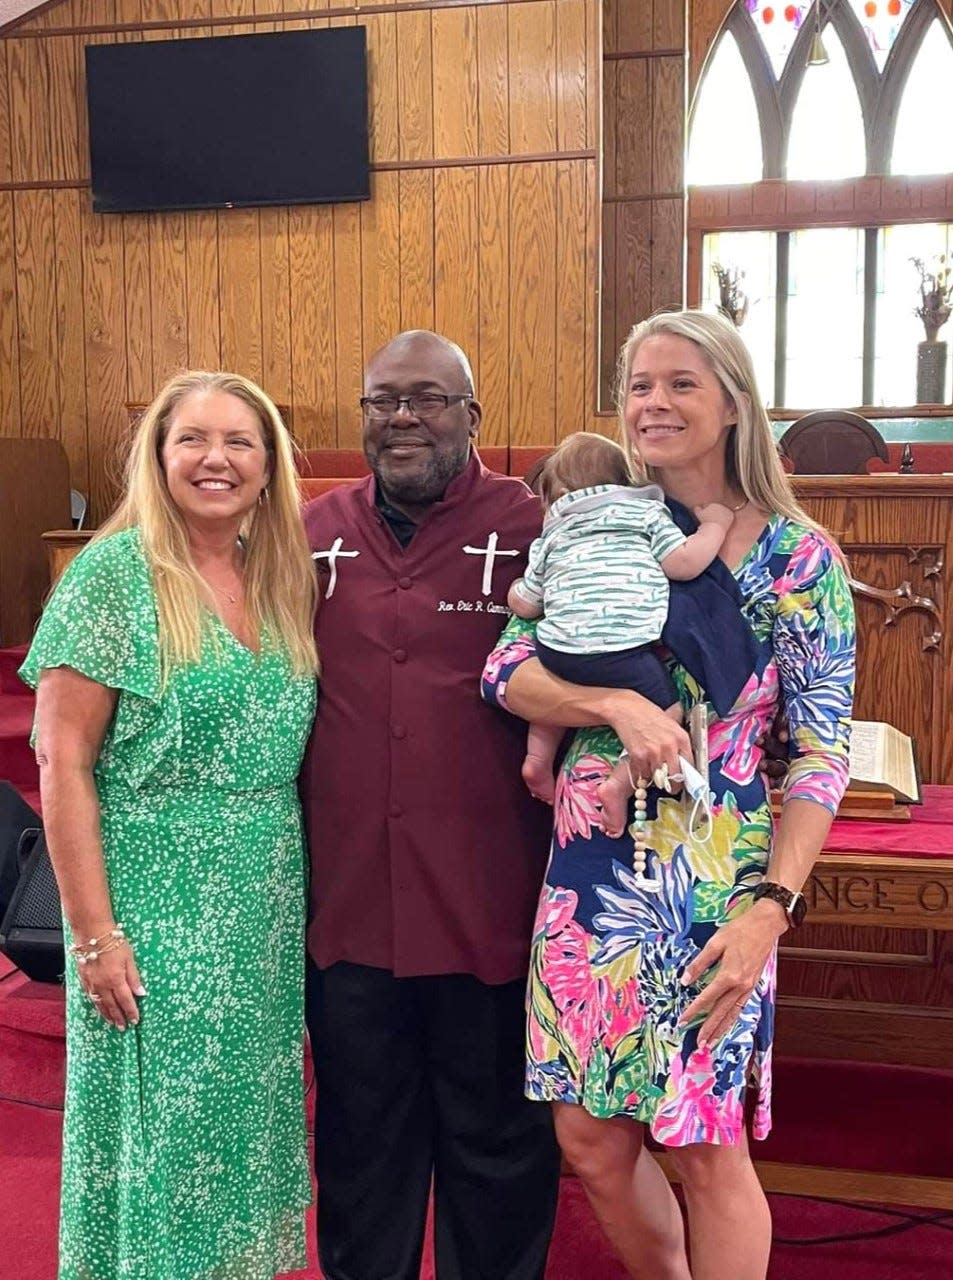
<point>84,952</point>
<point>89,956</point>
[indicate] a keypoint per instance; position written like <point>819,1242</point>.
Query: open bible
<point>884,773</point>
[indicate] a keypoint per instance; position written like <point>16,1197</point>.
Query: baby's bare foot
<point>538,776</point>
<point>614,797</point>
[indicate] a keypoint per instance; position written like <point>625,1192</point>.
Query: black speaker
<point>31,933</point>
<point>16,816</point>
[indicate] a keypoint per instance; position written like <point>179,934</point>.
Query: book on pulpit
<point>884,769</point>
<point>884,775</point>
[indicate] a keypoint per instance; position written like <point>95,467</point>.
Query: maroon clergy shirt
<point>427,852</point>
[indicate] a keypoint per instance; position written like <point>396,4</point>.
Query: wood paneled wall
<point>643,214</point>
<point>483,224</point>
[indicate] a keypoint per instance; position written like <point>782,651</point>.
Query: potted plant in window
<point>936,305</point>
<point>732,299</point>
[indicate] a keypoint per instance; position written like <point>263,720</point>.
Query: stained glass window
<point>881,21</point>
<point>827,127</point>
<point>827,311</point>
<point>725,142</point>
<point>921,143</point>
<point>777,24</point>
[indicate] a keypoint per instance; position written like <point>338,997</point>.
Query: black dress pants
<point>420,1079</point>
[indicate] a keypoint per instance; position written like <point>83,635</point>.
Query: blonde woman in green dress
<point>176,679</point>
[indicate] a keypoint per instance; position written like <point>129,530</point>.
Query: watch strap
<point>791,901</point>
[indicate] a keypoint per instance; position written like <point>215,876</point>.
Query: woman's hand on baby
<point>649,736</point>
<point>715,513</point>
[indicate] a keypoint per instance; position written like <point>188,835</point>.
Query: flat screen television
<point>227,121</point>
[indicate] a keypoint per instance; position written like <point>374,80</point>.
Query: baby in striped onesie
<point>597,579</point>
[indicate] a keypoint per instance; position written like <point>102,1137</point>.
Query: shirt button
<point>396,811</point>
<point>399,655</point>
<point>399,731</point>
<point>405,583</point>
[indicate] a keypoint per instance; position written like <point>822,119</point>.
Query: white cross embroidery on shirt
<point>331,556</point>
<point>491,554</point>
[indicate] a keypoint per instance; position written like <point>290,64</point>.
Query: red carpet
<point>29,1172</point>
<point>32,1060</point>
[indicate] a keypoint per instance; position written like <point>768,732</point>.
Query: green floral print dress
<point>184,1147</point>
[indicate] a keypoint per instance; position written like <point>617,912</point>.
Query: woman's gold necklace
<point>741,506</point>
<point>232,599</point>
<point>228,595</point>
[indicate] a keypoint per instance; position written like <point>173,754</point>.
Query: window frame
<point>875,200</point>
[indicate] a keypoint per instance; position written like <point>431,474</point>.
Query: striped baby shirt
<point>595,569</point>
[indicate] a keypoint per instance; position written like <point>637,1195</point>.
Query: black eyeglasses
<point>422,404</point>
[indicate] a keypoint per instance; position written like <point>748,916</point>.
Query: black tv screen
<point>231,120</point>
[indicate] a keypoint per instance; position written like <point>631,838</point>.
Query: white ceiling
<point>10,10</point>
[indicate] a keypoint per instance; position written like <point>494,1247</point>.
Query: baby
<point>597,578</point>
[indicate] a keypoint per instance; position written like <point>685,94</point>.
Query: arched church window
<point>819,238</point>
<point>726,139</point>
<point>826,138</point>
<point>919,145</point>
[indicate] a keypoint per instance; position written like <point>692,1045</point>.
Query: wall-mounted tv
<point>214,123</point>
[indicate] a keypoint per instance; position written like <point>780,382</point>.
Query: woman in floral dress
<point>175,672</point>
<point>652,1012</point>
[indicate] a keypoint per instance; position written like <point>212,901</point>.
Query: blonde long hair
<point>752,462</point>
<point>280,585</point>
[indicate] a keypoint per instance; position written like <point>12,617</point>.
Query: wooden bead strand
<point>638,855</point>
<point>640,849</point>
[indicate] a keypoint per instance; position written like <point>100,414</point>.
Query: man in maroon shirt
<point>427,853</point>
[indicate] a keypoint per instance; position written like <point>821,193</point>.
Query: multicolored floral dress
<point>184,1141</point>
<point>604,996</point>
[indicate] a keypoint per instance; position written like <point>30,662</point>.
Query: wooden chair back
<point>832,442</point>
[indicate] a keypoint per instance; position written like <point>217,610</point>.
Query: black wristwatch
<point>795,908</point>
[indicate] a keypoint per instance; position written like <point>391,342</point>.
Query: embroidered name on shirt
<point>471,606</point>
<point>332,555</point>
<point>491,555</point>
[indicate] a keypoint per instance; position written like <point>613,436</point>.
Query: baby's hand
<point>714,513</point>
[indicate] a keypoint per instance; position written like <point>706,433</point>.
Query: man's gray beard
<point>430,485</point>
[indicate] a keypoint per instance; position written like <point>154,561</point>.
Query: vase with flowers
<point>936,306</point>
<point>732,299</point>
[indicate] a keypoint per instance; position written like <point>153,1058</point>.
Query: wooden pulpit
<point>897,534</point>
<point>63,546</point>
<point>870,976</point>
